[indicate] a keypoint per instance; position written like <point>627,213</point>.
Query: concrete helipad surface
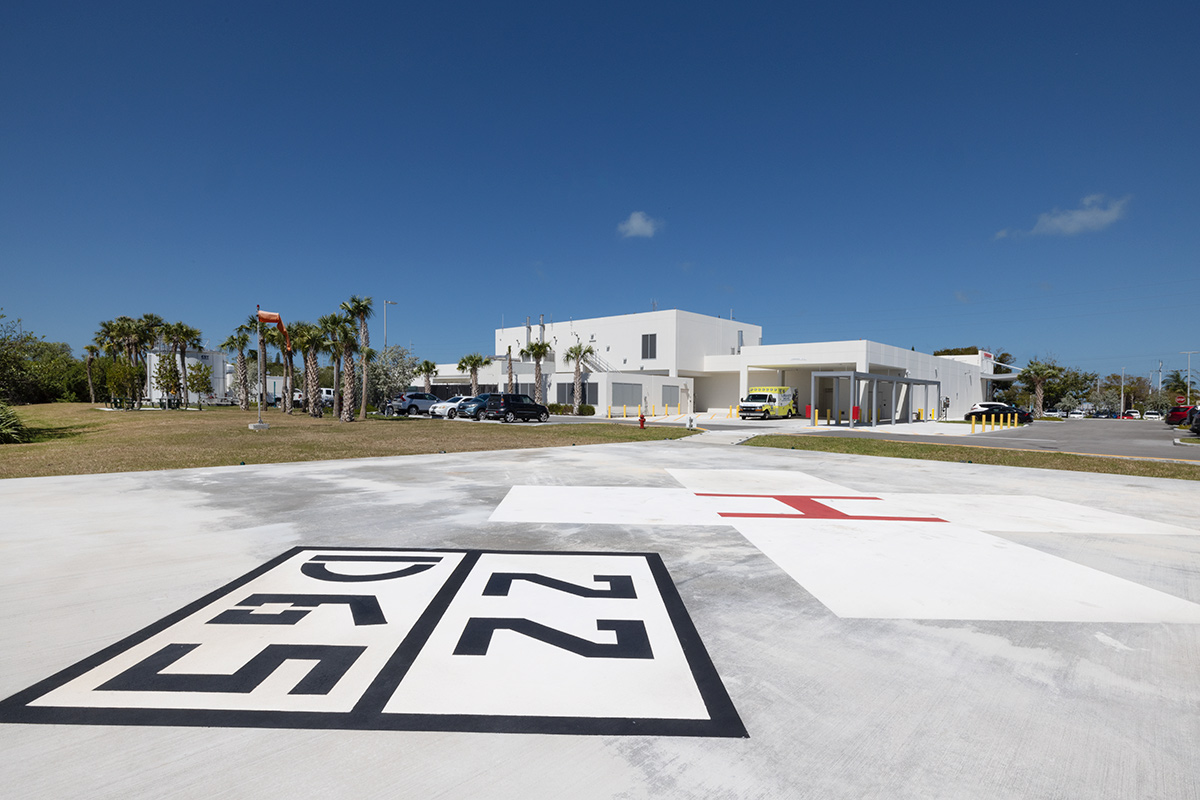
<point>646,620</point>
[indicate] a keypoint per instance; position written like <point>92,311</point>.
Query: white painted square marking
<point>524,675</point>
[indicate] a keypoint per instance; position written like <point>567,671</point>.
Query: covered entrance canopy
<point>867,383</point>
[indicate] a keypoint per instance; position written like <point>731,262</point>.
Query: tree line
<point>1046,385</point>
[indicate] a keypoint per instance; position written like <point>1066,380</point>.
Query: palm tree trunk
<point>312,384</point>
<point>91,388</point>
<point>243,382</point>
<point>537,381</point>
<point>510,372</point>
<point>291,379</point>
<point>337,381</point>
<point>578,383</point>
<point>365,339</point>
<point>347,385</point>
<point>183,374</point>
<point>474,382</point>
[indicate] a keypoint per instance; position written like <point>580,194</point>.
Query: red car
<point>1177,415</point>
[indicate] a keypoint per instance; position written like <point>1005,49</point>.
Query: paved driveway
<point>662,619</point>
<point>1131,438</point>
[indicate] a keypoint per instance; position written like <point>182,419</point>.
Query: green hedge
<point>569,410</point>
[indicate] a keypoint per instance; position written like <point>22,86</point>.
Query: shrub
<point>587,411</point>
<point>12,430</point>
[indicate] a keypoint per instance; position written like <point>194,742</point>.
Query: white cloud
<point>639,224</point>
<point>1096,214</point>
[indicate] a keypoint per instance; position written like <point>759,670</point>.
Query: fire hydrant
<point>642,420</point>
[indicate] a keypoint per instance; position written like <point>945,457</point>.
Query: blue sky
<point>1019,176</point>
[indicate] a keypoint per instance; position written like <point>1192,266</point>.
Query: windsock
<point>268,316</point>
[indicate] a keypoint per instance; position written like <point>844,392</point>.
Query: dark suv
<point>474,407</point>
<point>511,407</point>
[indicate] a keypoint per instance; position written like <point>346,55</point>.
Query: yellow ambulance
<point>766,402</point>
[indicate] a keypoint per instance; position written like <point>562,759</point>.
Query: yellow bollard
<point>610,412</point>
<point>624,412</point>
<point>972,424</point>
<point>827,411</point>
<point>654,411</point>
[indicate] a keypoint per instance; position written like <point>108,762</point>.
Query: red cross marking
<point>809,508</point>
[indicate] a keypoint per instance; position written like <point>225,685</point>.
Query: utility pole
<point>1188,353</point>
<point>385,304</point>
<point>1122,391</point>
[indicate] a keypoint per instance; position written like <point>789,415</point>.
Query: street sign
<point>1180,399</point>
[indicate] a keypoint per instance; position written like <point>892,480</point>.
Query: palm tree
<point>537,351</point>
<point>252,325</point>
<point>236,343</point>
<point>307,338</point>
<point>1036,375</point>
<point>359,308</point>
<point>577,353</point>
<point>148,329</point>
<point>92,351</point>
<point>1176,382</point>
<point>276,339</point>
<point>508,358</point>
<point>181,336</point>
<point>473,363</point>
<point>330,326</point>
<point>427,369</point>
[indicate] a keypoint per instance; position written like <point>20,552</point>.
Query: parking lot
<point>666,619</point>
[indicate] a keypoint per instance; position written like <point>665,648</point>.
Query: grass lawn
<point>78,438</point>
<point>980,455</point>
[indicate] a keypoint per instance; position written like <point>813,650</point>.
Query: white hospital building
<point>676,361</point>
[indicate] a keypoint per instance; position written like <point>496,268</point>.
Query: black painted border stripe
<point>724,721</point>
<point>384,686</point>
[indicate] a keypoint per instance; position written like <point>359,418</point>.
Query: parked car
<point>511,407</point>
<point>409,403</point>
<point>1179,415</point>
<point>1152,415</point>
<point>1132,413</point>
<point>474,407</point>
<point>447,408</point>
<point>1059,414</point>
<point>987,404</point>
<point>1023,417</point>
<point>1195,426</point>
<point>1076,414</point>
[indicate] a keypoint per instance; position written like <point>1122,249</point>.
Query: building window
<point>670,395</point>
<point>566,393</point>
<point>626,394</point>
<point>649,345</point>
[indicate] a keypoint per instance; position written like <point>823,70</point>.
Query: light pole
<point>1188,353</point>
<point>386,303</point>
